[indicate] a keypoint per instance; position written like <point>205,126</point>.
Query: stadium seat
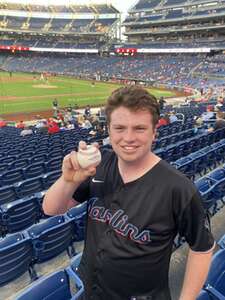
<point>54,164</point>
<point>27,154</point>
<point>50,178</point>
<point>51,237</point>
<point>217,269</point>
<point>206,187</point>
<point>19,215</point>
<point>29,187</point>
<point>3,167</point>
<point>221,242</point>
<point>39,158</point>
<point>78,215</point>
<point>34,170</point>
<point>19,163</point>
<point>210,293</point>
<point>11,177</point>
<point>7,194</point>
<point>59,285</point>
<point>75,261</point>
<point>15,257</point>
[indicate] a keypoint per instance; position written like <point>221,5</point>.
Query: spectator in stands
<point>87,111</point>
<point>209,114</point>
<point>20,125</point>
<point>138,203</point>
<point>162,102</point>
<point>26,131</point>
<point>163,121</point>
<point>87,124</point>
<point>172,116</point>
<point>53,127</point>
<point>55,104</point>
<point>3,123</point>
<point>220,121</point>
<point>42,126</point>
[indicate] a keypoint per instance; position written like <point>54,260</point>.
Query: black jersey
<point>131,228</point>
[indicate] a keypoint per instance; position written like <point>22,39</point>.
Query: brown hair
<point>134,98</point>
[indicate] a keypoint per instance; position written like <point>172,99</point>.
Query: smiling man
<point>138,203</point>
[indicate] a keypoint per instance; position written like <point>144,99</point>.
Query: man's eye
<point>140,129</point>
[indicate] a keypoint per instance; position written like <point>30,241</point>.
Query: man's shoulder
<point>174,177</point>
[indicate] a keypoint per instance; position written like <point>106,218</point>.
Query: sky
<point>121,5</point>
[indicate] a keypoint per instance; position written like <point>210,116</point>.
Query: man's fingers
<point>73,160</point>
<point>67,162</point>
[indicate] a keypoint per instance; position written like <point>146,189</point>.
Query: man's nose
<point>129,135</point>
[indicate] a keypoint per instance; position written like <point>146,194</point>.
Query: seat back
<point>52,287</point>
<point>57,286</point>
<point>78,216</point>
<point>19,214</point>
<point>50,237</point>
<point>7,194</point>
<point>29,187</point>
<point>15,257</point>
<point>11,177</point>
<point>34,170</point>
<point>217,267</point>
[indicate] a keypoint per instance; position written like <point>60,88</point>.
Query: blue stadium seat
<point>39,158</point>
<point>209,293</point>
<point>56,286</point>
<point>51,237</point>
<point>75,261</point>
<point>34,170</point>
<point>27,154</point>
<point>3,167</point>
<point>206,187</point>
<point>217,269</point>
<point>29,187</point>
<point>50,178</point>
<point>7,194</point>
<point>54,164</point>
<point>19,163</point>
<point>15,257</point>
<point>11,177</point>
<point>221,242</point>
<point>78,216</point>
<point>19,214</point>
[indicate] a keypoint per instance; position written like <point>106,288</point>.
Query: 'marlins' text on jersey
<point>119,222</point>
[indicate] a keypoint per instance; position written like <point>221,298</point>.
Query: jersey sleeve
<point>83,192</point>
<point>194,225</point>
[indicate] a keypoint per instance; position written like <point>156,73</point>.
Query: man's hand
<point>71,170</point>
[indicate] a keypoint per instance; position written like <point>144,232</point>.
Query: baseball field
<point>22,93</point>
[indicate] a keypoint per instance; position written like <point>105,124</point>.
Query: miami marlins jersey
<point>131,228</point>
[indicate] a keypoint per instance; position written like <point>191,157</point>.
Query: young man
<point>138,205</point>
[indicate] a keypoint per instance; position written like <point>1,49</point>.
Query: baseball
<point>88,157</point>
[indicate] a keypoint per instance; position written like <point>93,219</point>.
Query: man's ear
<point>154,134</point>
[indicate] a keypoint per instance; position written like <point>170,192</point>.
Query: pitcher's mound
<point>44,86</point>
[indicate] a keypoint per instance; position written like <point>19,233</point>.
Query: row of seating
<point>202,160</point>
<point>20,252</point>
<point>184,148</point>
<point>173,138</point>
<point>28,187</point>
<point>173,128</point>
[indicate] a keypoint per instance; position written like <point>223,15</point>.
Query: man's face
<point>131,134</point>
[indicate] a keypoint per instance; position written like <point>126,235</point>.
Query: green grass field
<point>24,93</point>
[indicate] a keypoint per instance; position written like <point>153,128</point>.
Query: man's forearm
<point>195,275</point>
<point>58,198</point>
